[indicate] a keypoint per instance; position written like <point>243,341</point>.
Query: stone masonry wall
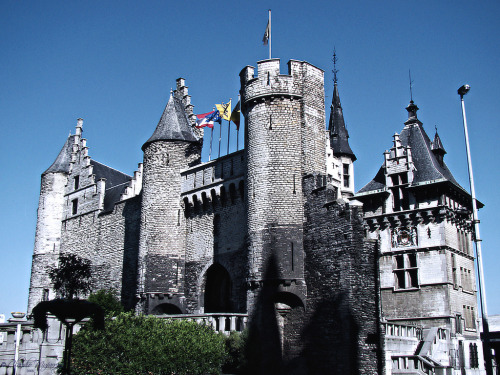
<point>216,235</point>
<point>110,242</point>
<point>343,332</point>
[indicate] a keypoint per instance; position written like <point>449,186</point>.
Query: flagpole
<point>269,34</point>
<point>226,111</point>
<point>211,138</point>
<point>238,127</point>
<point>220,135</point>
<point>228,134</point>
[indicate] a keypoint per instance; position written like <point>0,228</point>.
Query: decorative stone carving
<point>404,237</point>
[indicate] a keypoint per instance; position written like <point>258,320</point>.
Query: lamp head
<point>463,90</point>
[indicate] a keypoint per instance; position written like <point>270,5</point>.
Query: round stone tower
<point>48,227</point>
<point>172,148</point>
<point>285,140</point>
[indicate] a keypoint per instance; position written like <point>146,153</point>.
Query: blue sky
<point>114,63</point>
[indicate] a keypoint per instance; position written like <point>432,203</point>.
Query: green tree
<point>72,277</point>
<point>148,345</point>
<point>106,298</point>
<point>236,361</point>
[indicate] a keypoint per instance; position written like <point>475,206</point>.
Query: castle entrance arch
<point>217,290</point>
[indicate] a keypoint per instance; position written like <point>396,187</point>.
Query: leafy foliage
<point>73,276</point>
<point>236,361</point>
<point>148,345</point>
<point>106,298</point>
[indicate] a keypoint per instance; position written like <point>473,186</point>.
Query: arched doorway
<point>217,290</point>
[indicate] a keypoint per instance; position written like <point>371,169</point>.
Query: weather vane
<point>411,87</point>
<point>335,70</point>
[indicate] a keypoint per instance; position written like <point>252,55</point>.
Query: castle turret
<point>285,140</point>
<point>342,168</point>
<point>48,228</point>
<point>173,147</point>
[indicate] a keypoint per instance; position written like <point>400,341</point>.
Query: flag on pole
<point>208,119</point>
<point>224,110</point>
<point>265,39</point>
<point>235,115</point>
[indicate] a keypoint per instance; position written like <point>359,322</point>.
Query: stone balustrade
<point>220,322</point>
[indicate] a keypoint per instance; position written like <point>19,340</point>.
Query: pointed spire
<point>62,162</point>
<point>339,137</point>
<point>437,145</point>
<point>438,148</point>
<point>173,125</point>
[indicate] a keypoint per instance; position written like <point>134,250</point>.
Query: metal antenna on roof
<point>411,87</point>
<point>335,70</point>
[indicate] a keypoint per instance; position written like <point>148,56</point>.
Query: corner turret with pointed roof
<point>438,148</point>
<point>339,137</point>
<point>62,162</point>
<point>174,124</point>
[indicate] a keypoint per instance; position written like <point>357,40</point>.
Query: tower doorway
<point>217,290</point>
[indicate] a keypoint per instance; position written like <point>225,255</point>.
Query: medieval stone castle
<point>328,281</point>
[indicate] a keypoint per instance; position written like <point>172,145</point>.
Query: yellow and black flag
<point>224,110</point>
<point>235,115</point>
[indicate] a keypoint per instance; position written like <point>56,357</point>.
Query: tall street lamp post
<point>477,240</point>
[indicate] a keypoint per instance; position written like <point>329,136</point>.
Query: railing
<point>411,364</point>
<point>402,330</point>
<point>220,322</point>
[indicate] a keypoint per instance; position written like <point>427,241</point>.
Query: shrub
<point>235,347</point>
<point>148,345</point>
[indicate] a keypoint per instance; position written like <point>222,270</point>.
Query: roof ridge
<point>107,166</point>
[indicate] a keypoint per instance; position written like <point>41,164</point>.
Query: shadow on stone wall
<point>331,338</point>
<point>263,346</point>
<point>323,338</point>
<point>131,213</point>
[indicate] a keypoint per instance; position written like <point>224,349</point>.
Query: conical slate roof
<point>427,167</point>
<point>61,164</point>
<point>173,125</point>
<point>339,137</point>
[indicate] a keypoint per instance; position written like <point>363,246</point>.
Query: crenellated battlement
<point>270,84</point>
<point>213,179</point>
